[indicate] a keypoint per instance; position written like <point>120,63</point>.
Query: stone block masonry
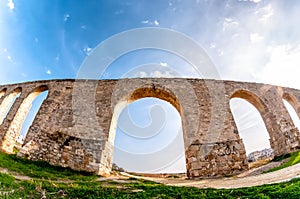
<point>75,126</point>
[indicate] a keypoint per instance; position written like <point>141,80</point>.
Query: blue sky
<point>248,40</point>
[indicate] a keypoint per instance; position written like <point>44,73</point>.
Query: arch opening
<point>247,112</point>
<point>251,98</point>
<point>31,104</point>
<point>291,100</point>
<point>155,92</point>
<point>8,102</point>
<point>33,111</point>
<point>147,135</point>
<point>292,112</point>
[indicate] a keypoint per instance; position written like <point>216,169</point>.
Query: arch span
<point>213,147</point>
<point>8,102</point>
<point>251,98</point>
<point>250,125</point>
<point>15,126</point>
<point>293,102</point>
<point>262,109</point>
<point>154,126</point>
<point>142,93</point>
<point>155,92</point>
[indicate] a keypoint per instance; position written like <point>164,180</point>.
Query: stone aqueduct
<point>78,132</point>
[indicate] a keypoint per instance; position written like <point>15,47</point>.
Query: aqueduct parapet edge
<point>59,136</point>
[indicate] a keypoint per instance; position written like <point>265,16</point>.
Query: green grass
<point>139,189</point>
<point>84,185</point>
<point>40,169</point>
<point>294,158</point>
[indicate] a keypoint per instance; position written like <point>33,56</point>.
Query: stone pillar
<point>6,104</point>
<point>7,138</point>
<point>284,137</point>
<point>216,159</point>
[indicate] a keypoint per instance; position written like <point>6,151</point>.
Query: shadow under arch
<point>15,126</point>
<point>251,98</point>
<point>8,102</point>
<point>142,93</point>
<point>260,106</point>
<point>155,92</point>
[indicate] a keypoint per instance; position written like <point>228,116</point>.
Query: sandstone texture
<point>76,124</point>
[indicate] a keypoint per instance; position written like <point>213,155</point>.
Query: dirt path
<point>282,175</point>
<point>118,179</point>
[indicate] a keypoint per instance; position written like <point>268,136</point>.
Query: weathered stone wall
<point>75,126</point>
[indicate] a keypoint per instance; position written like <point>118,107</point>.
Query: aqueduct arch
<point>293,102</point>
<point>7,102</point>
<point>212,148</point>
<point>15,126</point>
<point>260,107</point>
<point>251,98</point>
<point>153,91</point>
<point>156,93</point>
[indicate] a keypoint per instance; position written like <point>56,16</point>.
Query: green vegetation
<point>40,169</point>
<point>55,182</point>
<point>137,189</point>
<point>294,158</point>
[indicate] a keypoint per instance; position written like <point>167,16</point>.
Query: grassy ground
<point>55,182</point>
<point>39,169</point>
<point>294,158</point>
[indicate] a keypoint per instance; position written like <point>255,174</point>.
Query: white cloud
<point>255,37</point>
<point>265,13</point>
<point>66,17</point>
<point>159,74</point>
<point>9,58</point>
<point>163,64</point>
<point>36,40</point>
<point>229,23</point>
<point>142,74</point>
<point>145,21</point>
<point>155,22</point>
<point>11,4</point>
<point>282,67</point>
<point>48,72</point>
<point>255,1</point>
<point>220,52</point>
<point>87,50</point>
<point>155,74</point>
